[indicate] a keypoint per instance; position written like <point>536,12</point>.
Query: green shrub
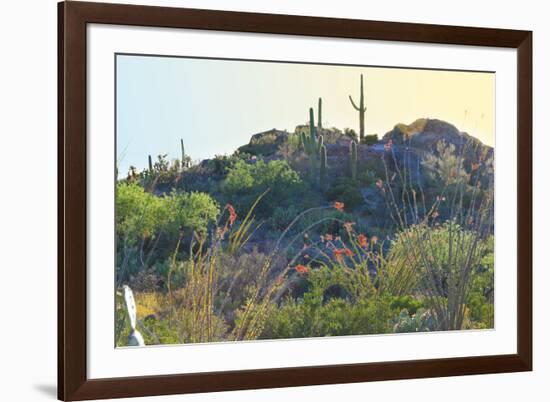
<point>139,213</point>
<point>481,298</point>
<point>319,313</point>
<point>347,191</point>
<point>408,303</point>
<point>370,139</point>
<point>246,181</point>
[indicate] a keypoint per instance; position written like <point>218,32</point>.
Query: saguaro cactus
<point>150,164</point>
<point>353,159</point>
<point>320,114</point>
<point>323,168</point>
<point>361,109</point>
<point>312,144</point>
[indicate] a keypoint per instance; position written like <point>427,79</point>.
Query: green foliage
<point>439,261</point>
<point>347,191</point>
<point>407,302</point>
<point>313,315</point>
<point>138,213</point>
<point>142,218</point>
<point>481,297</point>
<point>246,181</point>
<point>370,139</point>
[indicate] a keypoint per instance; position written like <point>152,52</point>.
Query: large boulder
<point>265,143</point>
<point>425,134</point>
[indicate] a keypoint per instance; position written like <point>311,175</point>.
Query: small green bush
<point>370,139</point>
<point>246,181</point>
<point>347,191</point>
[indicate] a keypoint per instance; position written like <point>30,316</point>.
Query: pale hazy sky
<point>216,105</point>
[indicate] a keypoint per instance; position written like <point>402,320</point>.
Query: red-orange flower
<point>232,214</point>
<point>339,206</point>
<point>302,269</point>
<point>362,240</point>
<point>338,253</point>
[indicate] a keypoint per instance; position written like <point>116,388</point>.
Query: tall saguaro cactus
<point>312,144</point>
<point>320,114</point>
<point>184,163</point>
<point>323,168</point>
<point>361,109</point>
<point>353,159</point>
<point>150,164</point>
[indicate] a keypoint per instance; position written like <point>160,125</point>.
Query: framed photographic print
<point>253,200</point>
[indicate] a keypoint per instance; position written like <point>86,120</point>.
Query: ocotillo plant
<point>323,168</point>
<point>320,114</point>
<point>361,109</point>
<point>353,159</point>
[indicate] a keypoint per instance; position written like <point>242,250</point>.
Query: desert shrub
<point>367,177</point>
<point>481,297</point>
<point>246,181</point>
<point>440,262</point>
<point>351,133</point>
<point>345,190</point>
<point>315,315</point>
<point>370,139</point>
<point>139,213</point>
<point>283,216</point>
<point>407,302</point>
<point>144,219</point>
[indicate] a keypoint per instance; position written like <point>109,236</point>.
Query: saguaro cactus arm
<point>353,103</point>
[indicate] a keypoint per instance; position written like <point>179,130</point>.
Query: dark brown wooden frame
<point>73,17</point>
